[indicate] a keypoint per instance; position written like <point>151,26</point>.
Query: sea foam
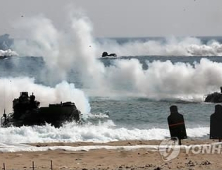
<point>102,132</point>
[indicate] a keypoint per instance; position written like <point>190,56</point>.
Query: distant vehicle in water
<point>7,53</point>
<point>26,112</point>
<point>4,57</point>
<point>105,54</point>
<point>215,123</point>
<point>176,124</point>
<point>215,97</point>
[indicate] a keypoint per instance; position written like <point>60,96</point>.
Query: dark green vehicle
<point>26,112</point>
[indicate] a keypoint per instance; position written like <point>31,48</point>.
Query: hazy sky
<point>124,18</point>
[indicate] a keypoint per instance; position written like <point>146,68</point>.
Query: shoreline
<point>120,158</point>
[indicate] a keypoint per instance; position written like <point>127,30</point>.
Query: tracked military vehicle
<point>26,112</point>
<point>215,97</point>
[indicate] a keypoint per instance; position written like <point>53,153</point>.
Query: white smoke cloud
<point>91,69</point>
<point>61,51</point>
<point>42,41</point>
<point>172,46</point>
<point>165,79</point>
<point>78,50</point>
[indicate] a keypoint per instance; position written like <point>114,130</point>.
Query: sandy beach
<point>142,158</point>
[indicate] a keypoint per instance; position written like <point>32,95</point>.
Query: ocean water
<point>122,98</point>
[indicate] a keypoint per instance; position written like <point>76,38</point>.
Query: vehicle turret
<point>26,111</point>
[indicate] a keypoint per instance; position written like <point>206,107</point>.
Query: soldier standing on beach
<point>176,124</point>
<point>216,123</point>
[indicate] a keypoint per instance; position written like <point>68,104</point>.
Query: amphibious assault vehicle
<point>26,112</point>
<point>215,97</point>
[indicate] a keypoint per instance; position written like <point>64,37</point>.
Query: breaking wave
<point>103,132</point>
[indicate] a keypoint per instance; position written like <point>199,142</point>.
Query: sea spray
<point>78,52</point>
<point>166,46</point>
<point>62,52</point>
<point>165,79</point>
<point>72,132</point>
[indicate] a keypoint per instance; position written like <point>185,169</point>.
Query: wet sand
<point>110,158</point>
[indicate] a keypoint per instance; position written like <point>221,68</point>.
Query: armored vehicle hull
<point>28,113</point>
<point>215,97</point>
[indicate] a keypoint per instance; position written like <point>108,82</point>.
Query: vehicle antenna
<point>4,95</point>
